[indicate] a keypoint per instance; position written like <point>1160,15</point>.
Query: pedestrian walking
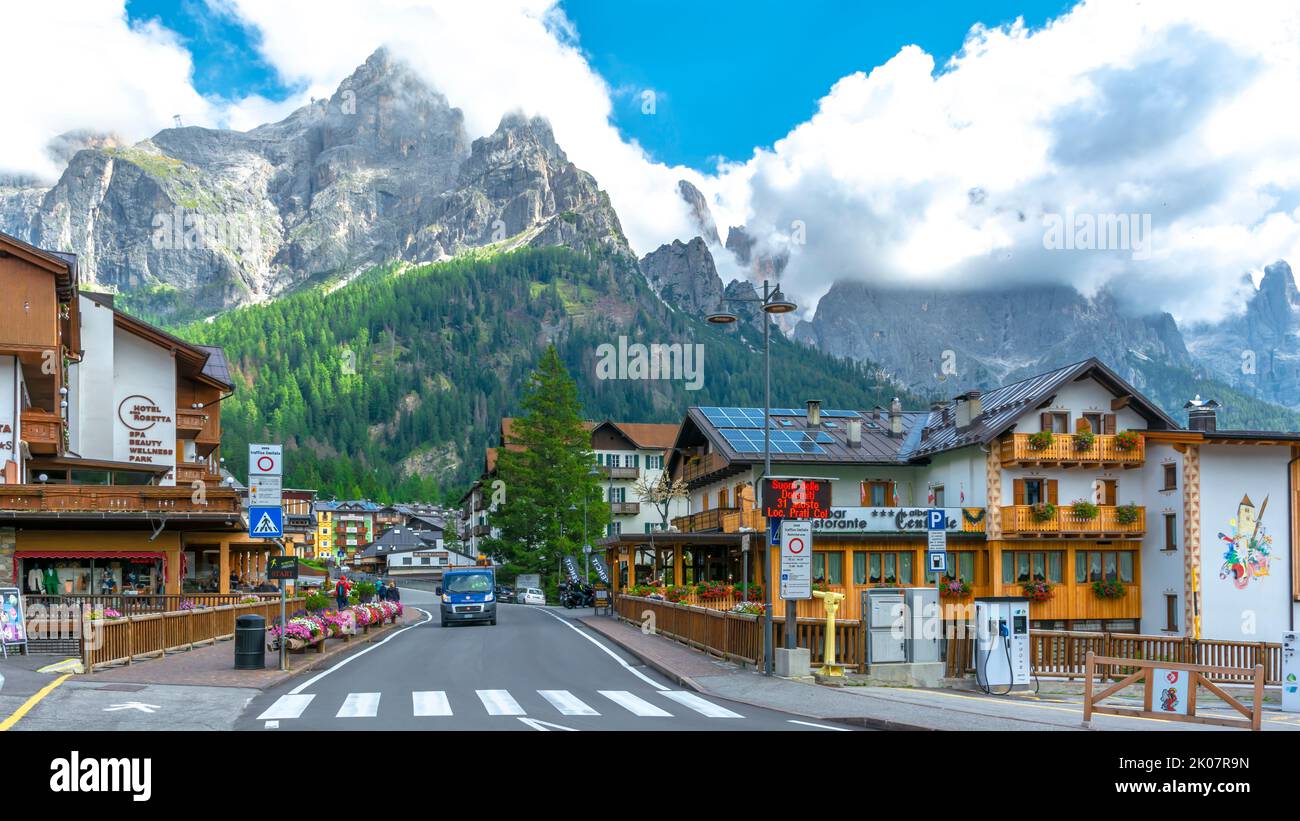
<point>341,591</point>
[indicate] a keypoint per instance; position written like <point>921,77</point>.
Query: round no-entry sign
<point>264,464</point>
<point>796,545</point>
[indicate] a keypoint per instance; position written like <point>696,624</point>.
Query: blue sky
<point>727,76</point>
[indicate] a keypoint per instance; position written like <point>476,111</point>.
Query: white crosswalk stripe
<point>288,706</point>
<point>359,705</point>
<point>699,705</point>
<point>634,704</point>
<point>500,703</point>
<point>425,703</point>
<point>567,703</point>
<point>430,703</point>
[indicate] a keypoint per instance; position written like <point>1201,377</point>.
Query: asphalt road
<point>533,670</point>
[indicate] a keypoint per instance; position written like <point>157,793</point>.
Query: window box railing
<point>115,498</point>
<point>42,431</point>
<point>1022,520</point>
<point>625,508</point>
<point>1065,451</point>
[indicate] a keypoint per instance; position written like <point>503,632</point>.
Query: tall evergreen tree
<point>548,475</point>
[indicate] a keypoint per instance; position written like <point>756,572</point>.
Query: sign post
<point>284,569</point>
<point>796,560</point>
<point>936,522</point>
<point>266,521</point>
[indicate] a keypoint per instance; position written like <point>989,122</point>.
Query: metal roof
<point>1001,407</point>
<point>737,433</point>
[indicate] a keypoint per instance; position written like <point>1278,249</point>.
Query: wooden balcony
<point>42,431</point>
<point>1016,451</point>
<point>620,472</point>
<point>1020,521</point>
<point>698,467</point>
<point>114,499</point>
<point>720,520</point>
<point>625,508</point>
<point>187,472</point>
<point>190,421</point>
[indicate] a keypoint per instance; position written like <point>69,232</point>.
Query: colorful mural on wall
<point>1249,545</point>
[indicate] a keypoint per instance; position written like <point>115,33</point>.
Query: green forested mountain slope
<point>391,387</point>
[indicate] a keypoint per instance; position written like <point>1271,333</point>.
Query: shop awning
<point>86,554</point>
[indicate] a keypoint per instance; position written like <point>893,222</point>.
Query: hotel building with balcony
<point>110,438</point>
<point>1177,530</point>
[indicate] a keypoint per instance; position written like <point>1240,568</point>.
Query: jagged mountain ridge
<point>381,170</point>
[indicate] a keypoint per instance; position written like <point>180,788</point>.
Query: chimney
<point>895,417</point>
<point>814,413</point>
<point>855,433</point>
<point>1202,415</point>
<point>967,407</point>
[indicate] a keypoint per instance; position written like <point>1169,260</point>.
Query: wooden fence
<point>736,636</point>
<point>1063,654</point>
<point>1145,673</point>
<point>1053,653</point>
<point>151,635</point>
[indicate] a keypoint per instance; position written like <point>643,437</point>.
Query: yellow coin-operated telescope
<point>831,601</point>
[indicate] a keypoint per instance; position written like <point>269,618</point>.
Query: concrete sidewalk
<point>886,708</point>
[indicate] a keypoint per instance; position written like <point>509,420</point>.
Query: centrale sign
<point>888,519</point>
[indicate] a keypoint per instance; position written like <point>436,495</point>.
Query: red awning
<point>86,554</point>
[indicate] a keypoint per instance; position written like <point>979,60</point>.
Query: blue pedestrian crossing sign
<point>266,522</point>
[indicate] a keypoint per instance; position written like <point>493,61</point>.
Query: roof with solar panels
<point>737,433</point>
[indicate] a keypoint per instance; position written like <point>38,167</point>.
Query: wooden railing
<point>116,498</point>
<point>190,420</point>
<point>1020,520</point>
<point>622,472</point>
<point>42,430</point>
<point>122,641</point>
<point>735,636</point>
<point>1061,654</point>
<point>1105,450</point>
<point>698,467</point>
<point>187,472</point>
<point>625,508</point>
<point>720,519</point>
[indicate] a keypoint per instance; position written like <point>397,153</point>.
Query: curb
<point>661,669</point>
<point>687,681</point>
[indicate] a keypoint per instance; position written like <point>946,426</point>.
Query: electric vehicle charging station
<point>1291,672</point>
<point>1002,644</point>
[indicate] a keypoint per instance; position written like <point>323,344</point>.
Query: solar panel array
<point>750,440</point>
<point>743,430</point>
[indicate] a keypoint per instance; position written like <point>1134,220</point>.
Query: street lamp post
<point>772,302</point>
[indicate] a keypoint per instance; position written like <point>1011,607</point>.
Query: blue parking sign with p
<point>936,519</point>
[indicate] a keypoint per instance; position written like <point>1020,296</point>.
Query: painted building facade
<point>1070,487</point>
<point>110,435</point>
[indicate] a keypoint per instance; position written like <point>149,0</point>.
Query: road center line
<point>32,702</point>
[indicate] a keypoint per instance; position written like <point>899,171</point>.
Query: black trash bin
<point>250,643</point>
